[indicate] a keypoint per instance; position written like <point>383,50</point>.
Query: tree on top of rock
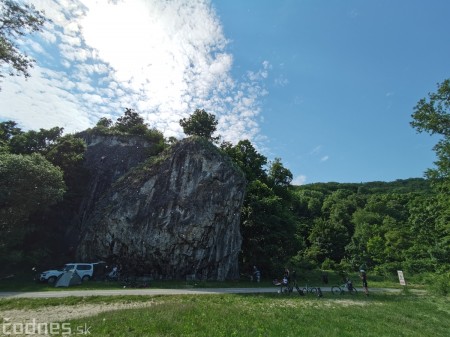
<point>131,122</point>
<point>201,124</point>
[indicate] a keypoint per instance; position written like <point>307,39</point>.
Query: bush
<point>439,284</point>
<point>388,269</point>
<point>302,263</point>
<point>418,266</point>
<point>328,264</point>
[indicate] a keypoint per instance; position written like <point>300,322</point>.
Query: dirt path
<point>38,322</point>
<point>152,292</point>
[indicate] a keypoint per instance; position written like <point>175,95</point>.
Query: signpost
<point>401,278</point>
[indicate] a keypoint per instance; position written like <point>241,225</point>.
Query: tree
<point>131,122</point>
<point>8,129</point>
<point>267,227</point>
<point>200,123</point>
<point>278,174</point>
<point>247,158</point>
<point>16,20</point>
<point>28,183</point>
<point>104,122</point>
<point>433,116</point>
<point>68,154</point>
<point>34,141</point>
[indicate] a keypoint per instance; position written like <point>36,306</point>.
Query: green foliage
<point>104,122</point>
<point>131,123</point>
<point>34,141</point>
<point>387,226</point>
<point>28,183</point>
<point>8,129</point>
<point>67,153</point>
<point>433,116</point>
<point>278,175</point>
<point>439,284</point>
<point>399,186</point>
<point>201,124</point>
<point>16,20</point>
<point>268,225</point>
<point>247,158</point>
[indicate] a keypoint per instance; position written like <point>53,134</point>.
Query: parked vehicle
<point>84,270</point>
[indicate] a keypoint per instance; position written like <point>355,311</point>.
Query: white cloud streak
<point>163,58</point>
<point>299,180</point>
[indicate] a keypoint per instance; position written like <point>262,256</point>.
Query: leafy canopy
<point>433,116</point>
<point>16,20</point>
<point>27,183</point>
<point>200,123</point>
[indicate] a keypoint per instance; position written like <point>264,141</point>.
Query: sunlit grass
<point>276,315</point>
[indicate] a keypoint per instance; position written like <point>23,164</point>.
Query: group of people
<point>287,278</point>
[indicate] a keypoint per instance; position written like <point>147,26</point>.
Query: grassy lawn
<point>262,315</point>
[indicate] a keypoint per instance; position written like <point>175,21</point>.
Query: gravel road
<point>150,292</point>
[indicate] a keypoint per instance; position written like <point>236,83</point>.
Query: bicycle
<point>342,289</point>
<point>294,285</point>
<point>288,287</point>
<point>309,290</point>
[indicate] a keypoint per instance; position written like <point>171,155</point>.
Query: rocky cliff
<point>108,157</point>
<point>175,216</point>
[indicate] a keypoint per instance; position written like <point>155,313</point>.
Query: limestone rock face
<point>107,158</point>
<point>175,216</point>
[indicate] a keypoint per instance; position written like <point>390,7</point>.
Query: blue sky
<point>327,86</point>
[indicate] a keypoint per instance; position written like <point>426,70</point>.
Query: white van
<point>85,270</point>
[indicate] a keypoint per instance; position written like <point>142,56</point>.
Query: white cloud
<point>324,158</point>
<point>163,58</point>
<point>299,180</point>
<point>316,150</point>
<point>281,81</point>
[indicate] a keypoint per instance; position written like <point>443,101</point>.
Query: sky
<point>328,86</point>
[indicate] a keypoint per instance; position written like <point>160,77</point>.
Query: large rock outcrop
<point>175,216</point>
<point>109,157</point>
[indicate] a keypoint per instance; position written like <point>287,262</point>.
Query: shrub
<point>439,284</point>
<point>328,264</point>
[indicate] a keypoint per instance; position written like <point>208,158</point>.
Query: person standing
<point>363,276</point>
<point>256,274</point>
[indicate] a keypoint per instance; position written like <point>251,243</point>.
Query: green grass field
<point>260,315</point>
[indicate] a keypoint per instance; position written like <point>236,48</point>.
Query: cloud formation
<point>299,180</point>
<point>163,58</point>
